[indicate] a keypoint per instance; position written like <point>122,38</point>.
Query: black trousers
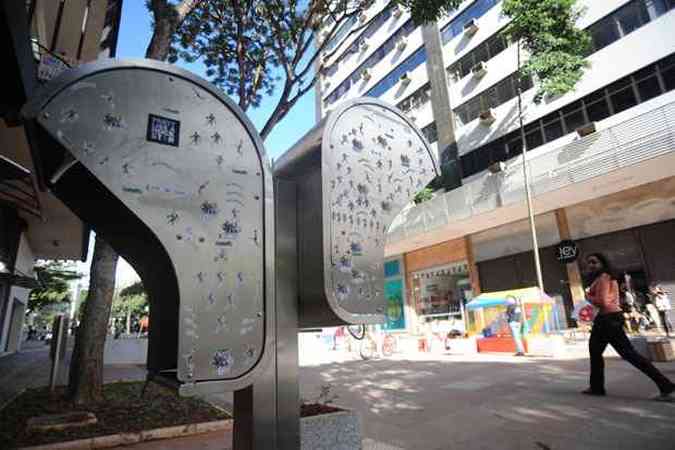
<point>608,329</point>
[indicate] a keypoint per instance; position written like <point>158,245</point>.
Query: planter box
<point>333,431</point>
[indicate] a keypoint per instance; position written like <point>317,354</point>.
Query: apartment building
<point>601,159</point>
<point>38,39</point>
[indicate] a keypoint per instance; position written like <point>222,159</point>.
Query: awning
<point>16,187</point>
<point>526,295</point>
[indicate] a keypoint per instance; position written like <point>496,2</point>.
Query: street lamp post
<point>526,181</point>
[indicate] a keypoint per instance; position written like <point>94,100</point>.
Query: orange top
<point>604,294</point>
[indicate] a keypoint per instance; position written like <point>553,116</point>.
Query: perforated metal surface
<point>186,162</point>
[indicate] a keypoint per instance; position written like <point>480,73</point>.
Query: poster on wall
<point>393,290</point>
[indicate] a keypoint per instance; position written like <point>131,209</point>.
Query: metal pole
<point>267,414</point>
<point>528,195</point>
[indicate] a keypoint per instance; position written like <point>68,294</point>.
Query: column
<point>473,267</point>
<point>573,272</point>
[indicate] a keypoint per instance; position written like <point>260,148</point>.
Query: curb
<point>114,440</point>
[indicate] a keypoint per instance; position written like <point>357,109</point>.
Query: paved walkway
<point>484,402</point>
<point>475,402</point>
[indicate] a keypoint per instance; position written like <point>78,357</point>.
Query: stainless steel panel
<point>188,163</point>
<point>356,170</point>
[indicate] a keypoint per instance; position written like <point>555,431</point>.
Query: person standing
<point>662,303</point>
<point>514,317</point>
<point>603,292</point>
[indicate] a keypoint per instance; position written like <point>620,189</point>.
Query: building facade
<point>38,39</point>
<point>601,159</point>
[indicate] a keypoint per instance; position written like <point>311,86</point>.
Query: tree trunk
<point>86,367</point>
<point>128,320</point>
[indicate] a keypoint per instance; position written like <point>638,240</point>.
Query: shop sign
<point>567,251</point>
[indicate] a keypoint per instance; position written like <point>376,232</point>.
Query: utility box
<point>354,171</point>
<point>173,175</point>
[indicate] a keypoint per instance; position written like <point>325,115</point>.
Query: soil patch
<point>122,411</point>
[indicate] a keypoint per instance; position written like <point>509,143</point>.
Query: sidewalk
<point>485,401</point>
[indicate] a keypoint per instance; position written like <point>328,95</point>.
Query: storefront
<point>440,293</point>
<point>440,280</point>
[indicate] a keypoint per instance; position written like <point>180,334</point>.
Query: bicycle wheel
<point>358,332</point>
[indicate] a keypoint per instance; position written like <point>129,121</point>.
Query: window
<point>623,99</point>
<point>514,147</point>
<point>648,88</point>
<point>412,62</point>
<point>496,44</point>
<point>553,131</point>
<point>617,97</point>
<point>430,132</point>
<point>631,17</point>
<point>377,56</point>
<point>667,69</point>
<point>473,11</point>
<point>573,115</point>
<point>598,110</point>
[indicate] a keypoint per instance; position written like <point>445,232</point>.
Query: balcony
<point>636,151</point>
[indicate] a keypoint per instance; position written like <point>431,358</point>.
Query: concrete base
<point>336,431</point>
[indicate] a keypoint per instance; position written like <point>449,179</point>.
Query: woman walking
<point>608,329</point>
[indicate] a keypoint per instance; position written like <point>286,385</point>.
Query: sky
<point>135,33</point>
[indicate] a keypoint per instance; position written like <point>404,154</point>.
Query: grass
<point>122,411</point>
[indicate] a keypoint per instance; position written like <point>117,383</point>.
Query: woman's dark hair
<point>606,266</point>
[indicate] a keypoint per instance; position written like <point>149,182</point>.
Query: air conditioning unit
<point>487,117</point>
<point>398,11</point>
<point>411,117</point>
<point>363,44</point>
<point>480,69</point>
<point>471,27</point>
<point>326,84</point>
<point>365,74</point>
<point>363,17</point>
<point>405,79</point>
<point>401,44</point>
<point>587,129</point>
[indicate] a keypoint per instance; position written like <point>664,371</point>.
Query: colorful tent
<point>487,311</point>
<point>526,295</point>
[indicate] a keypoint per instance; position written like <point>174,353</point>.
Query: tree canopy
<point>556,47</point>
<point>55,278</point>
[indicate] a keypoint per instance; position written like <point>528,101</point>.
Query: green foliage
<point>547,30</point>
<point>256,49</point>
<point>423,196</point>
<point>55,277</point>
<point>426,11</point>
<point>134,289</point>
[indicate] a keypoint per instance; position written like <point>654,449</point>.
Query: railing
<point>633,141</point>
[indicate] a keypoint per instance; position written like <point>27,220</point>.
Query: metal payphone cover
<point>374,161</point>
<point>188,162</point>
